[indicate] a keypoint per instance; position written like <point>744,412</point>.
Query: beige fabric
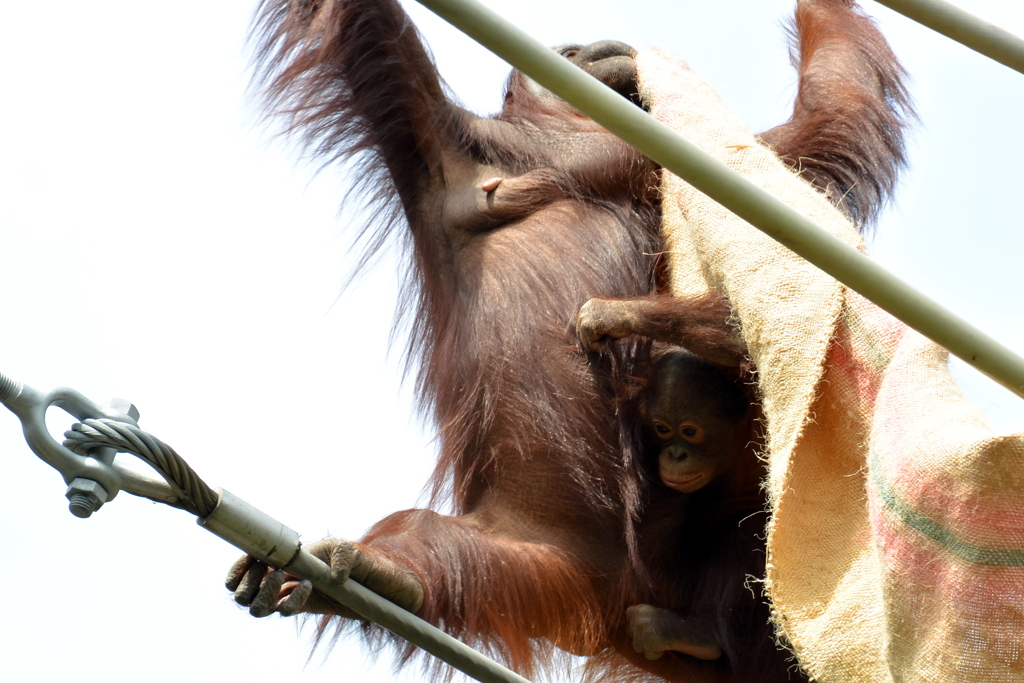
<point>884,483</point>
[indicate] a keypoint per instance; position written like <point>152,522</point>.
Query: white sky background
<point>157,245</point>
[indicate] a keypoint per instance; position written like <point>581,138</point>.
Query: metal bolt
<point>8,387</point>
<point>125,407</point>
<point>85,496</point>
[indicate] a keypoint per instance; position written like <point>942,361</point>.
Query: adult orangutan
<point>516,221</point>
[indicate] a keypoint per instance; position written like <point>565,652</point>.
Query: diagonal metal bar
<point>965,28</point>
<point>742,197</point>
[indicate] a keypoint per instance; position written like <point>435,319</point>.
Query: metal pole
<point>965,28</point>
<point>742,197</point>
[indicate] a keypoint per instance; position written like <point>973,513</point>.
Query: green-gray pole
<point>741,196</point>
<point>965,28</point>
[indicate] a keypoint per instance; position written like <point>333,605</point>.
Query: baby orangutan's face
<point>696,417</point>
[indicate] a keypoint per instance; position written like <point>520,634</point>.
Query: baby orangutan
<point>700,533</point>
<point>696,431</point>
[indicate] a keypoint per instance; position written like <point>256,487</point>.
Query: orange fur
<point>535,458</point>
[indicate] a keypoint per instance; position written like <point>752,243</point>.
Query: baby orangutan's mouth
<point>685,484</point>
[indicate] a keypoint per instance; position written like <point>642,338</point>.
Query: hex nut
<point>85,497</point>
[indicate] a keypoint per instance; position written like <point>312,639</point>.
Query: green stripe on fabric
<point>993,557</point>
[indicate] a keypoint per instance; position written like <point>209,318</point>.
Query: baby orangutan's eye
<point>691,432</point>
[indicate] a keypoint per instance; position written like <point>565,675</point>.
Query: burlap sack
<point>896,546</point>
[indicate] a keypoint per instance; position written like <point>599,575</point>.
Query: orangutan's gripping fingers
<point>601,318</point>
<point>296,593</point>
<point>265,590</point>
<point>655,631</point>
<point>237,572</point>
<point>643,632</point>
<point>380,574</point>
<point>247,585</point>
<point>265,602</point>
<point>342,557</point>
<point>590,326</point>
